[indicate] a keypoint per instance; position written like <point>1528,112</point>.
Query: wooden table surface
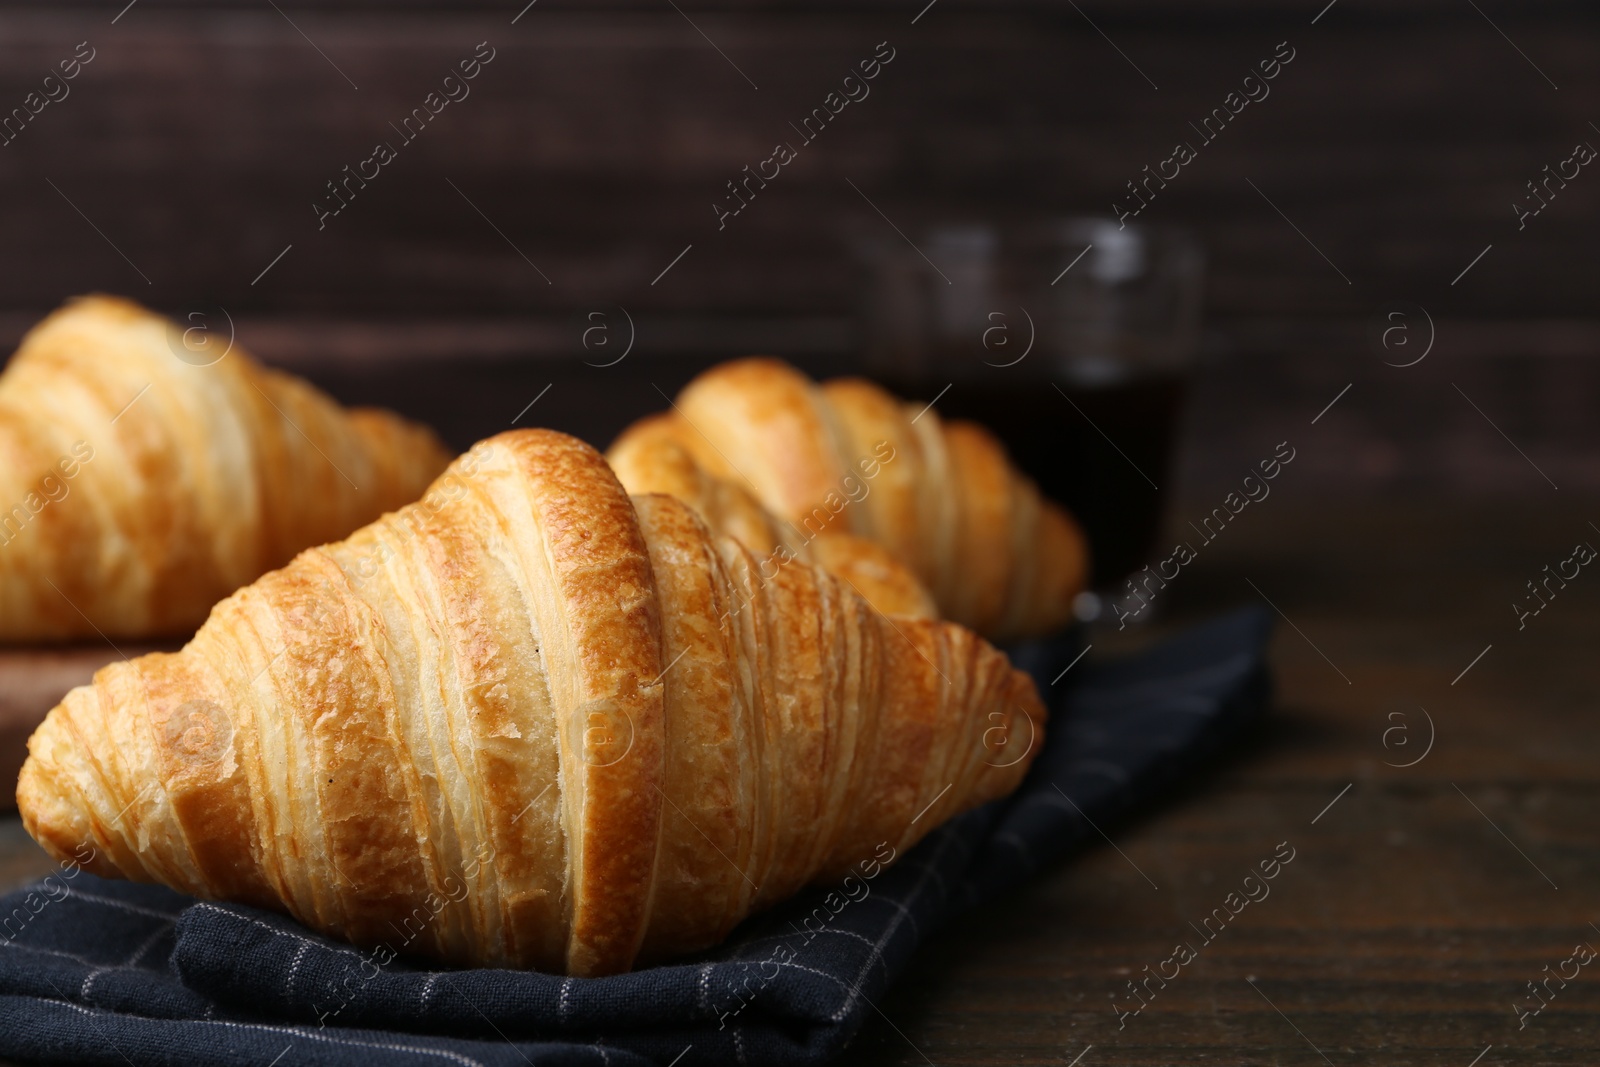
<point>1417,906</point>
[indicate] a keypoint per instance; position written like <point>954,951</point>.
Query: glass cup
<point>1072,340</point>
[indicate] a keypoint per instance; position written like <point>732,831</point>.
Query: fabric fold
<point>93,971</point>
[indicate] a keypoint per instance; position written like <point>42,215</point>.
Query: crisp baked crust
<point>529,721</point>
<point>947,504</point>
<point>189,476</point>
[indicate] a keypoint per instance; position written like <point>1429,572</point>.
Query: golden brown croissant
<point>528,721</point>
<point>649,459</point>
<point>137,487</point>
<point>847,457</point>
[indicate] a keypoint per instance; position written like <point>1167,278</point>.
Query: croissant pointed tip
<point>52,809</point>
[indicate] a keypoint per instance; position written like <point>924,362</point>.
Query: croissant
<point>650,459</point>
<point>147,472</point>
<point>528,721</point>
<point>845,457</point>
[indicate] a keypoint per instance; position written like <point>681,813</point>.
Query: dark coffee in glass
<point>1072,341</point>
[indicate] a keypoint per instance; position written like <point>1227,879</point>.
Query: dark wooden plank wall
<point>599,137</point>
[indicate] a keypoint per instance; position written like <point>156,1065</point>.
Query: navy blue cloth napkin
<point>102,972</point>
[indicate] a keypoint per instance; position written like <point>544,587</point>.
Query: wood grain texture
<point>597,139</point>
<point>1407,926</point>
<point>595,143</point>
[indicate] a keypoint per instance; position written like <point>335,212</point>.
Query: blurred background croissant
<point>1104,266</point>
